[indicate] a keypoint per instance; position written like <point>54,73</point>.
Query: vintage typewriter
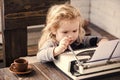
<point>86,63</point>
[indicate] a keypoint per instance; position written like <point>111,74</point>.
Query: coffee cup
<point>20,65</point>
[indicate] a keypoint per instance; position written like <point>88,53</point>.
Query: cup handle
<point>13,66</point>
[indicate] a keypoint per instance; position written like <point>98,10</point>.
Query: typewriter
<point>92,62</point>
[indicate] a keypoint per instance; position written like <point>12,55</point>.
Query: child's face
<point>68,28</point>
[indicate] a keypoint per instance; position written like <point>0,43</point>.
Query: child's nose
<point>70,37</point>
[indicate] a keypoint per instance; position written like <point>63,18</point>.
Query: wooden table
<point>47,71</point>
<point>40,72</point>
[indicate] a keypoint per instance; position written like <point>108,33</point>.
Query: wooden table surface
<point>40,72</point>
<point>47,71</point>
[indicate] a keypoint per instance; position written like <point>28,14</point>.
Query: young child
<point>63,28</point>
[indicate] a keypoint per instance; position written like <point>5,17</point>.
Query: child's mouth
<point>71,41</point>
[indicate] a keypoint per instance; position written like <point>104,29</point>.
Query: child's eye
<point>75,31</point>
<point>65,32</point>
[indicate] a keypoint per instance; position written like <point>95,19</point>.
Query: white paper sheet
<point>104,50</point>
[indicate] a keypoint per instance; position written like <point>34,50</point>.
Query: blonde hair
<point>55,14</point>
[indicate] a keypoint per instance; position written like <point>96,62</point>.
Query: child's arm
<point>92,41</point>
<point>45,54</point>
<point>49,50</point>
<point>63,45</point>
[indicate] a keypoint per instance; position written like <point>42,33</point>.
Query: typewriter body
<point>91,61</point>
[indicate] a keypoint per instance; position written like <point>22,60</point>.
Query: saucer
<point>26,72</point>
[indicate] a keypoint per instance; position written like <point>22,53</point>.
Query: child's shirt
<point>45,54</point>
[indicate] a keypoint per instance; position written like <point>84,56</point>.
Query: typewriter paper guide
<point>105,49</point>
<point>116,55</point>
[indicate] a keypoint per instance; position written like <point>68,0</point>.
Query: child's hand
<point>104,39</point>
<point>63,45</point>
